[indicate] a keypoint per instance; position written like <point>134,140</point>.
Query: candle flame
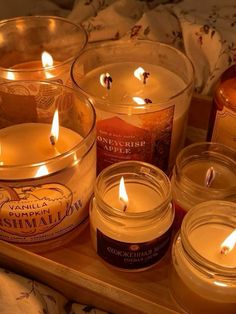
<point>42,171</point>
<point>228,243</point>
<point>139,100</point>
<point>46,59</point>
<point>123,197</point>
<point>138,73</point>
<point>210,176</point>
<point>55,128</point>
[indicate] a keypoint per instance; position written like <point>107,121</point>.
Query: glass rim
<point>134,215</point>
<point>71,151</point>
<point>133,43</point>
<point>199,260</point>
<point>178,166</point>
<point>46,17</point>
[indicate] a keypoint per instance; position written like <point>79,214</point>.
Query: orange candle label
<point>144,137</point>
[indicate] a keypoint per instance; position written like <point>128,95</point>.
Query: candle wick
<point>52,140</point>
<point>147,101</point>
<point>210,176</point>
<point>145,76</point>
<point>108,81</point>
<point>224,250</point>
<point>125,207</point>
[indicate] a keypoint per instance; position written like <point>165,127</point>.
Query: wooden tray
<point>77,272</point>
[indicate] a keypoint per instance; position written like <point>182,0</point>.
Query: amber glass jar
<point>222,124</point>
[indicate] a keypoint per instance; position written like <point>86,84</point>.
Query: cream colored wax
<point>28,143</point>
<point>141,198</point>
<point>207,241</point>
<point>225,177</point>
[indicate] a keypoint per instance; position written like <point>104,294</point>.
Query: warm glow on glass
<point>47,59</point>
<point>1,162</point>
<point>103,79</point>
<point>55,128</point>
<point>138,73</point>
<point>42,171</point>
<point>139,100</point>
<point>228,243</point>
<point>10,76</point>
<point>123,197</point>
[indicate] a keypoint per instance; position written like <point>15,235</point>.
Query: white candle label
<point>36,213</point>
<point>144,137</point>
<point>224,127</point>
<point>132,255</point>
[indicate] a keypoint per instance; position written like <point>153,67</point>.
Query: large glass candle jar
<point>203,278</point>
<point>131,215</point>
<point>39,48</point>
<point>141,91</point>
<point>203,171</point>
<point>47,163</point>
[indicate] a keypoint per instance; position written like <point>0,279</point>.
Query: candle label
<point>132,255</point>
<point>224,127</point>
<point>145,137</point>
<point>37,213</point>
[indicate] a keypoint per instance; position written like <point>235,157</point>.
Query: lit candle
<point>25,38</point>
<point>204,259</point>
<point>203,171</point>
<point>131,215</point>
<point>213,236</point>
<point>30,143</point>
<point>47,172</point>
<point>142,115</point>
<point>46,68</point>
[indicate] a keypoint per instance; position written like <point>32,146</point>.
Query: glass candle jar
<point>46,179</point>
<point>203,171</point>
<point>141,91</point>
<point>39,48</point>
<point>203,278</point>
<point>135,234</point>
<point>222,124</point>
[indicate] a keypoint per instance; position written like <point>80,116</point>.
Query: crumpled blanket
<point>204,30</point>
<point>20,295</point>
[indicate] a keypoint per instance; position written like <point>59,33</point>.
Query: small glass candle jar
<point>46,179</point>
<point>134,236</point>
<point>39,48</point>
<point>203,277</point>
<point>203,171</point>
<point>141,91</point>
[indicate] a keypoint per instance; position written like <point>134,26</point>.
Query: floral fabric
<point>21,295</point>
<point>204,31</point>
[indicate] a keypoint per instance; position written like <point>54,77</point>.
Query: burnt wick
<point>147,101</point>
<point>52,140</point>
<point>145,76</point>
<point>224,250</point>
<point>210,176</point>
<point>108,81</point>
